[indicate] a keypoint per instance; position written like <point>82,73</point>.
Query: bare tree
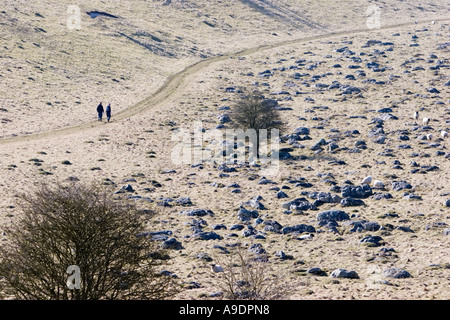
<point>81,226</point>
<point>247,276</point>
<point>253,111</point>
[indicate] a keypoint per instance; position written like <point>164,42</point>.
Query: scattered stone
<point>172,243</point>
<point>380,196</point>
<point>255,203</point>
<point>358,192</point>
<point>333,215</point>
<point>363,225</point>
<point>300,228</point>
<point>325,197</point>
<point>128,188</point>
<point>206,236</point>
<point>435,225</point>
<point>404,229</point>
<point>299,204</point>
<point>396,273</point>
<point>204,256</point>
<point>301,131</point>
<point>272,226</point>
<point>317,272</point>
<point>282,256</point>
<point>280,195</point>
<point>246,215</point>
<point>372,241</point>
<point>352,202</point>
<point>257,248</point>
<point>184,201</point>
<point>342,273</point>
<point>400,185</point>
<point>197,212</point>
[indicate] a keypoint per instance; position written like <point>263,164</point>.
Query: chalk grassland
<point>60,74</point>
<point>78,66</point>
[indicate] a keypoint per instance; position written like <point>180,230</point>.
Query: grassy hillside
<point>61,73</point>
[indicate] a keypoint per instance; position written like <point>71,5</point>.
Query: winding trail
<point>174,82</point>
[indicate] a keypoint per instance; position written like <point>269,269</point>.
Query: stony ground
<point>348,101</point>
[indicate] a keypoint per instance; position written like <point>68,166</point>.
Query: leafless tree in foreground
<point>79,225</point>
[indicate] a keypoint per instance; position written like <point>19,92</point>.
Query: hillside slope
<point>124,50</point>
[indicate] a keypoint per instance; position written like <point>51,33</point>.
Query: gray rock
<point>351,202</point>
<point>172,243</point>
<point>283,256</point>
<point>225,168</point>
<point>299,204</point>
<point>380,196</point>
<point>385,110</point>
<point>281,195</point>
<point>204,256</point>
<point>447,203</point>
<point>300,228</point>
<point>318,145</point>
<point>387,116</point>
<point>333,215</point>
<point>265,181</point>
<point>197,212</point>
<point>333,146</point>
<point>412,196</point>
<point>237,227</point>
<point>157,235</point>
<point>168,274</point>
<point>191,285</point>
<point>432,90</point>
<point>255,203</point>
<point>349,90</point>
<point>128,188</point>
<point>184,201</point>
<point>380,139</point>
<point>257,248</point>
<point>404,229</point>
<point>342,273</point>
<point>358,192</point>
<point>372,241</point>
<point>396,273</point>
<point>401,185</point>
<point>272,226</point>
<point>302,131</point>
<point>247,215</point>
<point>363,225</point>
<point>224,118</point>
<point>435,225</point>
<point>446,232</point>
<point>330,225</point>
<point>249,231</point>
<point>206,236</point>
<point>325,197</point>
<point>317,272</point>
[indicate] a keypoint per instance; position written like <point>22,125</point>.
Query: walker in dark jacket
<point>108,111</point>
<point>100,111</point>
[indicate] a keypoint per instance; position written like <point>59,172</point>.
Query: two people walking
<point>100,111</point>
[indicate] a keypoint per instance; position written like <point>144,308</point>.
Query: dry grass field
<point>163,65</point>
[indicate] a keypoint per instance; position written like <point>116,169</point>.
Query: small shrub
<point>248,276</point>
